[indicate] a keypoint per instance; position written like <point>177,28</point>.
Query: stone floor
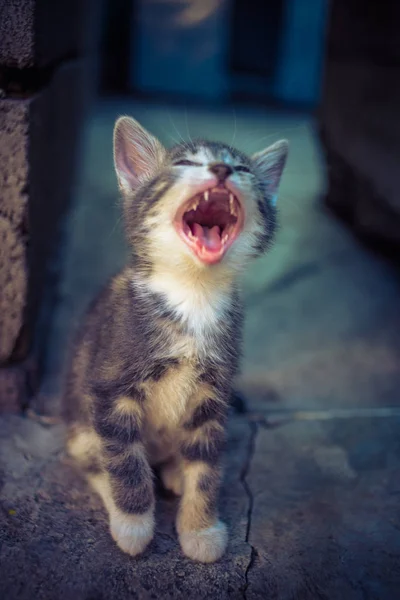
<point>312,483</point>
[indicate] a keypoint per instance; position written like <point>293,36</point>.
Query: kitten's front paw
<point>205,545</point>
<point>132,533</point>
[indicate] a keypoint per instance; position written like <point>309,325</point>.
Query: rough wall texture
<point>46,75</point>
<point>359,117</point>
<point>38,33</point>
<point>13,285</point>
<point>17,32</point>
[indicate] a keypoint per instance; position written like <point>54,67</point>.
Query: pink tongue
<point>210,238</point>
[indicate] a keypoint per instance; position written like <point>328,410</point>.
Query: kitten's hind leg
<point>172,476</point>
<point>84,446</point>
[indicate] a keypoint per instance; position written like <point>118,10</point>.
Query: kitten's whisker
<point>176,129</point>
<point>116,224</point>
<point>276,134</point>
<point>235,127</point>
<point>174,139</point>
<point>187,125</point>
<point>167,135</point>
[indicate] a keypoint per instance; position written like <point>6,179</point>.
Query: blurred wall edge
<point>47,77</point>
<point>359,119</point>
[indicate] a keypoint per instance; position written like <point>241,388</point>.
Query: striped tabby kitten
<point>152,368</point>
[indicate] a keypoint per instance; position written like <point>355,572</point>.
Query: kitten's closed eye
<point>242,169</point>
<point>187,163</point>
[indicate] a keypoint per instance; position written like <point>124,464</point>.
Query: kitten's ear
<point>137,154</point>
<point>270,163</point>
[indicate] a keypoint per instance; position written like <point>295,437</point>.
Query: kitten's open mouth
<point>210,222</point>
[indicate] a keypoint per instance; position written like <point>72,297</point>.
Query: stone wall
<point>360,118</point>
<point>46,79</point>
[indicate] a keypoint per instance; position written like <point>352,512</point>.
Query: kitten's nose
<point>221,170</point>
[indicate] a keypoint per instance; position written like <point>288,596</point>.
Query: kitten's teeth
<point>206,195</point>
<point>232,204</point>
<point>195,203</point>
<point>224,238</point>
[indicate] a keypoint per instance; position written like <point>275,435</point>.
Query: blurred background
<point>322,333</point>
<point>213,51</point>
<point>322,74</point>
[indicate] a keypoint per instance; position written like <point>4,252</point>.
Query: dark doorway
<point>115,46</point>
<point>256,30</point>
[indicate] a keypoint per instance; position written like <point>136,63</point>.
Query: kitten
<point>152,368</point>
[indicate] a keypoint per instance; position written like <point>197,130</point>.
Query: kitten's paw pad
<point>132,533</point>
<point>205,545</point>
<point>172,480</point>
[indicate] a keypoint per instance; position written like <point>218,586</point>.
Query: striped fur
<point>153,364</point>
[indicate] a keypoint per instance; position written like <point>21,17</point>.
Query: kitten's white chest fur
<point>200,306</point>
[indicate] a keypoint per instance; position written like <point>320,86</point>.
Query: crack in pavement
<point>276,418</point>
<point>243,476</point>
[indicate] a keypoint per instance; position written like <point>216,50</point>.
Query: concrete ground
<point>312,483</point>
